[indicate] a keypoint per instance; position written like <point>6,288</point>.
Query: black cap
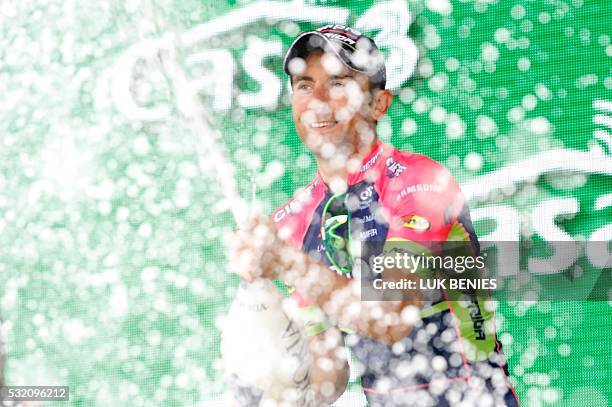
<point>356,51</point>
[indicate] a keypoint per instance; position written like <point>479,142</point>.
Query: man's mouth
<point>324,124</point>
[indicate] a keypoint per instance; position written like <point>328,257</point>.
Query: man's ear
<point>381,102</point>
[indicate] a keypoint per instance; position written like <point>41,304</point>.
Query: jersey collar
<point>367,164</point>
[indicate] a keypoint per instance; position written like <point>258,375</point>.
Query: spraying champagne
<point>1,358</point>
<point>265,353</point>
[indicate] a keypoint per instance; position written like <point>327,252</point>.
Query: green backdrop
<point>113,269</point>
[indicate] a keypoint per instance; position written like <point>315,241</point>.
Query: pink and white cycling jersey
<point>396,195</point>
<point>395,183</point>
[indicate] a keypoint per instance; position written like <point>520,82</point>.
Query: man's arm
<point>340,298</point>
<point>258,252</point>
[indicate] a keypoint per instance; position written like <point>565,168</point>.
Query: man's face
<point>331,105</point>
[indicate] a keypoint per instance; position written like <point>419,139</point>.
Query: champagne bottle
<point>264,352</point>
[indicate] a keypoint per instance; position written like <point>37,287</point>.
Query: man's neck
<point>341,165</point>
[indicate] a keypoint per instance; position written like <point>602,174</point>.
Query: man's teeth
<point>322,124</point>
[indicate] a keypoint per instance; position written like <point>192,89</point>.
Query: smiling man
<point>409,351</point>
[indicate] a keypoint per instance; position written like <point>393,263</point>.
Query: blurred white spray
<point>264,352</point>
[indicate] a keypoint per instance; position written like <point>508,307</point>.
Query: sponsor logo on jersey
<point>366,193</point>
<point>371,162</point>
<point>365,219</point>
<point>394,168</point>
<point>363,199</point>
<point>415,222</point>
<point>477,320</point>
<point>368,233</point>
<point>296,205</point>
<point>411,189</point>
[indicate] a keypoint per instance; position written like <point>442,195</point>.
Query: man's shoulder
<point>293,217</point>
<point>407,178</point>
<point>416,160</point>
<point>295,205</point>
<point>410,167</point>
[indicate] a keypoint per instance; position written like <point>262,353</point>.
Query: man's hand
<point>255,250</point>
<point>329,372</point>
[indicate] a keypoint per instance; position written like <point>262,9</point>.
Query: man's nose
<point>320,101</point>
<point>321,92</point>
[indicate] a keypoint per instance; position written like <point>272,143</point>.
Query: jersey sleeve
<point>428,213</point>
<point>426,207</point>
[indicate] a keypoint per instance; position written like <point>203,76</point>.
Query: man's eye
<point>338,84</point>
<point>304,86</point>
